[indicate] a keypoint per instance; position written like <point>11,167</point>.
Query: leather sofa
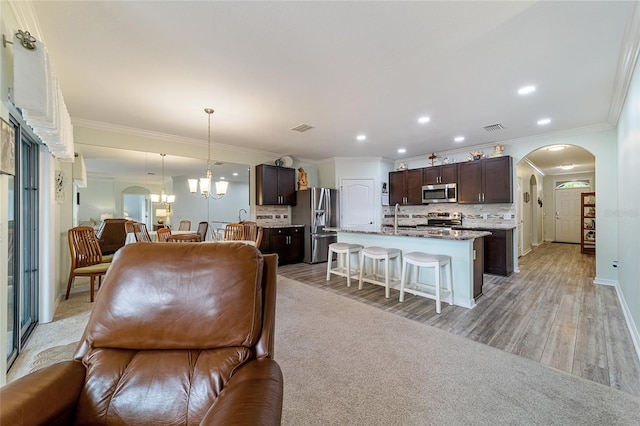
<point>179,334</point>
<point>111,235</point>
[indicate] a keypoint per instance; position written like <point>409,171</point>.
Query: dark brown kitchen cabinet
<point>486,181</point>
<point>287,242</point>
<point>498,252</point>
<point>405,187</point>
<point>440,174</point>
<point>275,185</point>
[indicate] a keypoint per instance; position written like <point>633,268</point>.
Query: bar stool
<point>377,254</point>
<point>431,291</point>
<point>343,252</point>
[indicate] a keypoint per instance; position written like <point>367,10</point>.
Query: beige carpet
<point>346,363</point>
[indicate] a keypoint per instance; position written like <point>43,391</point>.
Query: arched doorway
<point>543,174</point>
<point>136,204</point>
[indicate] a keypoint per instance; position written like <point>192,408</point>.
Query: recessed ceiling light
<point>361,137</point>
<point>424,119</point>
<point>401,151</point>
<point>556,148</point>
<point>567,167</point>
<point>235,173</point>
<point>544,121</point>
<point>459,138</point>
<point>526,90</point>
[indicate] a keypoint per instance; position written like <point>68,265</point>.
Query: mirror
<point>114,174</point>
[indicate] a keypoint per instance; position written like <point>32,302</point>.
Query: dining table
<point>248,242</point>
<point>131,238</point>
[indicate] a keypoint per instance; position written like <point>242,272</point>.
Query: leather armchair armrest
<point>253,396</point>
<point>47,396</point>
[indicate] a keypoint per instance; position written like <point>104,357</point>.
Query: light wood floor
<point>550,312</point>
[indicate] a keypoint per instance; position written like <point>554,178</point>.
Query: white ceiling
<point>345,68</point>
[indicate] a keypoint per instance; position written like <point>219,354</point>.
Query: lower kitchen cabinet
<point>498,252</point>
<point>286,241</point>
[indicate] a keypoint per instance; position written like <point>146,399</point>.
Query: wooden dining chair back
<point>86,257</point>
<point>234,231</point>
<point>141,233</point>
<point>184,238</point>
<point>259,237</point>
<point>163,234</point>
<point>250,230</point>
<point>185,225</point>
<point>202,230</point>
<point>128,226</point>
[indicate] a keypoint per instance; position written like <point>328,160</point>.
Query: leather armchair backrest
<point>211,298</point>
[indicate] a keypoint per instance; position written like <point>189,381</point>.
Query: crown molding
<point>26,18</point>
<point>627,61</point>
<point>563,133</point>
<point>106,127</point>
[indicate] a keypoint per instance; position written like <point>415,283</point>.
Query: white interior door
<point>357,206</point>
<point>568,214</point>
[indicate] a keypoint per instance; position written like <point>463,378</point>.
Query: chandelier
<point>163,197</point>
<point>205,182</point>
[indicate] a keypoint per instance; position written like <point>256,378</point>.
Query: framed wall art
<point>61,181</point>
<point>7,149</point>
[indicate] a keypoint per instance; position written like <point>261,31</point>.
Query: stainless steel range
<point>444,219</point>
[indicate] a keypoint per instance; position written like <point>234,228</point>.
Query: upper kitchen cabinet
<point>275,185</point>
<point>447,173</point>
<point>486,181</point>
<point>405,187</point>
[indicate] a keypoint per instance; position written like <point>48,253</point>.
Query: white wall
<point>188,207</point>
<point>627,211</point>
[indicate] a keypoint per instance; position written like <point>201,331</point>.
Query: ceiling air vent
<point>302,128</point>
<point>494,127</point>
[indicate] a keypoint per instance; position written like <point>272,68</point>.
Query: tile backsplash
<point>472,214</point>
<point>272,215</point>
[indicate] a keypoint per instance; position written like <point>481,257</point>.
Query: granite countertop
<point>485,227</point>
<point>281,226</point>
<point>440,233</point>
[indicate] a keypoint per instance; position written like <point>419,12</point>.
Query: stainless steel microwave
<point>441,193</point>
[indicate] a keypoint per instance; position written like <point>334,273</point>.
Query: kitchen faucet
<point>240,211</point>
<point>396,209</point>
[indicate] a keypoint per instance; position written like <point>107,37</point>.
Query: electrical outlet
<point>484,216</point>
<point>507,216</point>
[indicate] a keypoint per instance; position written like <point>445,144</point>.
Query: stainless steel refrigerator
<point>316,208</point>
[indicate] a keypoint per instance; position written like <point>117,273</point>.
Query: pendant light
<point>163,197</point>
<point>205,182</point>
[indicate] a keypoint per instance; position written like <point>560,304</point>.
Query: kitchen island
<point>464,247</point>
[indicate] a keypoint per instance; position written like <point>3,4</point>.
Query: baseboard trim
<point>603,281</point>
<point>633,330</point>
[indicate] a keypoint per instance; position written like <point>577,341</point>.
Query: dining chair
<point>250,230</point>
<point>128,226</point>
<point>163,234</point>
<point>141,233</point>
<point>234,231</point>
<point>202,230</point>
<point>184,238</point>
<point>185,225</point>
<point>86,257</point>
<point>259,237</point>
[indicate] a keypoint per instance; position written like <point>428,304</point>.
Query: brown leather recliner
<point>180,334</point>
<point>111,235</point>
